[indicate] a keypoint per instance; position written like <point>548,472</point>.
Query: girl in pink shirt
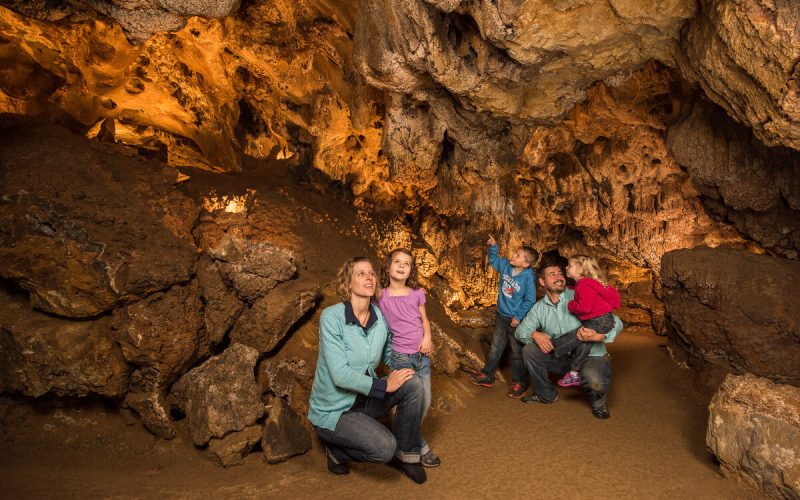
<point>402,303</point>
<point>593,303</point>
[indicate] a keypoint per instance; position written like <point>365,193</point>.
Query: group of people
<point>383,319</point>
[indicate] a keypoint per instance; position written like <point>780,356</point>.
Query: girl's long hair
<point>411,281</point>
<point>591,269</point>
<point>345,275</point>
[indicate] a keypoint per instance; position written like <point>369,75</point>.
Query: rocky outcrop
<point>732,311</point>
<point>43,354</point>
<point>221,395</point>
<point>744,54</point>
<point>741,180</point>
<point>222,306</point>
<point>161,337</point>
<point>754,431</point>
<point>285,433</point>
<point>107,230</point>
<point>263,325</point>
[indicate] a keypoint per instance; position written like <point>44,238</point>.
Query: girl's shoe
<point>430,459</point>
<point>569,380</point>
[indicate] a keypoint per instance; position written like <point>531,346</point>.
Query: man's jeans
<point>358,436</point>
<point>421,365</point>
<point>503,336</point>
<point>595,374</point>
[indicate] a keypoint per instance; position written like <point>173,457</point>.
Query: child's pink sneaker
<point>569,380</point>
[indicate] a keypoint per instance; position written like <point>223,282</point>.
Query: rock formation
<point>733,311</point>
<point>754,430</point>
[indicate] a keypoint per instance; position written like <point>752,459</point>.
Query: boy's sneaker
<point>517,390</point>
<point>534,398</point>
<point>481,379</point>
<point>430,459</point>
<point>569,380</point>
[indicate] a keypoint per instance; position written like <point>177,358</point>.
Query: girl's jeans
<point>421,365</point>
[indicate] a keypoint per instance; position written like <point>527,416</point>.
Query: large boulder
<point>285,433</point>
<point>221,395</point>
<point>730,310</point>
<point>109,229</point>
<point>267,322</point>
<point>754,431</point>
<point>222,306</point>
<point>42,353</point>
<point>161,335</point>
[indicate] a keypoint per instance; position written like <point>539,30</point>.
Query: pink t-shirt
<point>404,319</point>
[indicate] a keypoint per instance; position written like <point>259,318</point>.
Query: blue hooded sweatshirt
<point>516,294</point>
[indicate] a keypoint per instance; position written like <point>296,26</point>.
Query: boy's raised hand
<point>491,242</point>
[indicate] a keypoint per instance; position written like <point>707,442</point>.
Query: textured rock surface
<point>734,311</point>
<point>285,433</point>
<point>754,430</point>
<point>107,230</point>
<point>221,395</point>
<point>161,336</point>
<point>744,54</point>
<point>42,354</point>
<point>741,180</point>
<point>232,449</point>
<point>222,307</point>
<point>267,322</point>
<point>252,268</point>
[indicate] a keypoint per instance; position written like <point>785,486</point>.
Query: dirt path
<point>652,447</point>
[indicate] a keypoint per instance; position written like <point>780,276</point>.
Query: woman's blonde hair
<point>591,269</point>
<point>411,281</point>
<point>345,276</point>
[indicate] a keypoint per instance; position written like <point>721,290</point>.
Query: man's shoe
<point>517,390</point>
<point>430,459</point>
<point>481,379</point>
<point>534,398</point>
<point>340,469</point>
<point>414,471</point>
<point>601,412</point>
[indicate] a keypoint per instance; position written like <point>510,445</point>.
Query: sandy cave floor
<point>652,447</point>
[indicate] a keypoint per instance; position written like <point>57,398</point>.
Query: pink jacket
<point>592,299</point>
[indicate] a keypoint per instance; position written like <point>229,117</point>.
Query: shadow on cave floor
<point>652,447</point>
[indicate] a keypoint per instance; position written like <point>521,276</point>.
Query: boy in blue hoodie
<point>515,297</point>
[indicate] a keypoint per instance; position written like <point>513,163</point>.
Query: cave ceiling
<point>543,122</point>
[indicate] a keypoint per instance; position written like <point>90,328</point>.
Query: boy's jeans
<point>358,436</point>
<point>421,365</point>
<point>504,335</point>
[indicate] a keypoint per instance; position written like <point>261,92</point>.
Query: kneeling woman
<point>347,395</point>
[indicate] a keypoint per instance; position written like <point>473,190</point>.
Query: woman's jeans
<point>358,436</point>
<point>421,365</point>
<point>504,336</point>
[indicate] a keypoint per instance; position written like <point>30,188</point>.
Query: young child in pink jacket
<point>593,304</point>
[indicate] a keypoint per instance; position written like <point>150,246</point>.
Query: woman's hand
<point>397,378</point>
<point>426,347</point>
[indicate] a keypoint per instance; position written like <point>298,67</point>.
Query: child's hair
<point>531,255</point>
<point>411,281</point>
<point>345,275</point>
<point>591,269</point>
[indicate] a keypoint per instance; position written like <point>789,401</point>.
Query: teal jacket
<point>348,357</point>
<point>556,320</point>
